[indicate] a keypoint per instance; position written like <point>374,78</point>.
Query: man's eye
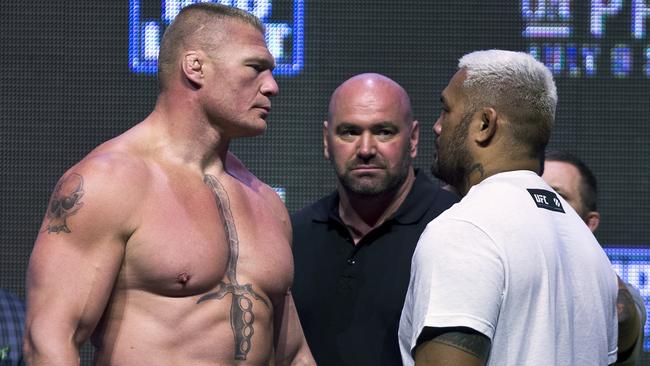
<point>347,133</point>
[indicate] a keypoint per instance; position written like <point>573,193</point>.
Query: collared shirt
<point>349,298</point>
<point>12,322</point>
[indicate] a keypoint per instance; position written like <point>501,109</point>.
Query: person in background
<point>12,322</point>
<point>506,276</point>
<point>572,179</point>
<point>352,249</point>
<point>160,245</point>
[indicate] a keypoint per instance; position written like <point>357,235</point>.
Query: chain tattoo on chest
<point>241,308</point>
<point>65,202</point>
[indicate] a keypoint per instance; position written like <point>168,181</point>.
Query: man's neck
<point>188,138</point>
<point>489,167</point>
<point>361,214</point>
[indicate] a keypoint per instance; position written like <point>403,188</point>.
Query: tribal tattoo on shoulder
<point>475,344</point>
<point>65,202</point>
<point>241,308</point>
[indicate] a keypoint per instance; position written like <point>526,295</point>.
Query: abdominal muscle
<point>160,330</point>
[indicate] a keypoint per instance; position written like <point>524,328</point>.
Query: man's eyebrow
<point>344,125</point>
<point>266,63</point>
<point>385,124</point>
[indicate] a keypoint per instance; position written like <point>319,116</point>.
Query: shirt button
<point>352,261</point>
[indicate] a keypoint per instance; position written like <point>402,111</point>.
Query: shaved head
<point>200,26</point>
<point>370,84</point>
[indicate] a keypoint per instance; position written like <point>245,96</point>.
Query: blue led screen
<point>284,35</point>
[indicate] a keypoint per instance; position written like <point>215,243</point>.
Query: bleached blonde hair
<point>519,86</point>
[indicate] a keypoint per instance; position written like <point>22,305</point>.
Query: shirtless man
<point>160,244</point>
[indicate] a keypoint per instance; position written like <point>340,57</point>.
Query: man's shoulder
<point>108,183</point>
<point>240,172</point>
<point>462,214</point>
<point>110,166</point>
<point>504,190</point>
<point>318,210</point>
<point>443,199</point>
<point>428,198</point>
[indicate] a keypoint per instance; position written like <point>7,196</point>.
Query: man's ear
<point>414,139</point>
<point>326,153</point>
<point>487,125</point>
<point>192,66</point>
<point>593,220</point>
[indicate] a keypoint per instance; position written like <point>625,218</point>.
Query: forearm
<point>42,349</point>
<point>291,347</point>
<point>302,357</point>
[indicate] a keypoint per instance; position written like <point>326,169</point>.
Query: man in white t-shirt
<point>509,275</point>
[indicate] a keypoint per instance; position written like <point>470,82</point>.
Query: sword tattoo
<point>241,308</point>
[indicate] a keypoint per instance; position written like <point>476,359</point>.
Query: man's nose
<point>437,127</point>
<point>270,86</point>
<point>367,146</point>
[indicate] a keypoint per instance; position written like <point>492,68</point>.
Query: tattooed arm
<point>451,346</point>
<point>75,260</point>
<point>628,322</point>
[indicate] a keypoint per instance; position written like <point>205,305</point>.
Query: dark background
<point>67,86</point>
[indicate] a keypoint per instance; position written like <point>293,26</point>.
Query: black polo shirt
<point>349,298</point>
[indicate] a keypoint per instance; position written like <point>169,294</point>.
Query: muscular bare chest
<point>195,237</point>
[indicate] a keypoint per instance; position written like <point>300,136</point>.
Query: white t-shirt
<point>513,261</point>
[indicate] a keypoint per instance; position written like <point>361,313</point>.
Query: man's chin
<point>364,185</point>
<point>436,172</point>
<point>366,191</point>
<point>253,129</point>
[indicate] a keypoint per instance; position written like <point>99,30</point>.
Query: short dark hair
<point>186,28</point>
<point>588,184</point>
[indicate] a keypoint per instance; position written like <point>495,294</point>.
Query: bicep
<point>451,346</point>
<point>75,259</point>
<point>68,285</point>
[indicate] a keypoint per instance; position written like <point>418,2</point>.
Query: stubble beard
<point>372,186</point>
<point>452,160</point>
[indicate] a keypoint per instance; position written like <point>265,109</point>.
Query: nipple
<point>182,278</point>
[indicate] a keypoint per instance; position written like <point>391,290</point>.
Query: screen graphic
<point>580,44</point>
<point>284,22</point>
